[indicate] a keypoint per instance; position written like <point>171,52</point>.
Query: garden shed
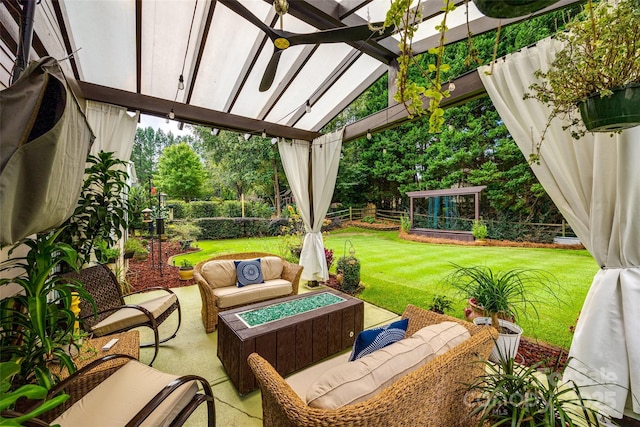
<point>210,62</point>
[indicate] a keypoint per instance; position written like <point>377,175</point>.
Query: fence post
<point>563,227</point>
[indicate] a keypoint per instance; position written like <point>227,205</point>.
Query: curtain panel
<point>324,153</point>
<point>115,130</point>
<point>594,183</point>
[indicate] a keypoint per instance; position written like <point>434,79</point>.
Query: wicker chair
<point>134,394</point>
<point>210,309</point>
<point>114,315</point>
<point>433,395</point>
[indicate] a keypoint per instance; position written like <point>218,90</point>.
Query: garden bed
<point>379,224</point>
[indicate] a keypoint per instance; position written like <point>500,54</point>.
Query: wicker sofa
<point>432,395</point>
<point>216,281</point>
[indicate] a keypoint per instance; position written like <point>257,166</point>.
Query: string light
<point>274,140</point>
<point>181,82</point>
<point>172,115</point>
<point>215,131</point>
<point>264,133</point>
<point>307,107</point>
<point>369,134</point>
<point>247,136</point>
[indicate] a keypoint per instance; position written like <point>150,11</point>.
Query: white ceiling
<point>221,55</point>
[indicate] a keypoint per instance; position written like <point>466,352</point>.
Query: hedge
<point>233,228</point>
<point>219,208</point>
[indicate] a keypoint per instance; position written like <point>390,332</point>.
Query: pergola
<point>451,192</point>
<point>201,62</point>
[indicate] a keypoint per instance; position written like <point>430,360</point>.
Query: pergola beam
<point>468,87</point>
<point>190,114</point>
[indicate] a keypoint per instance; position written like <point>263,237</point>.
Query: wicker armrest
<point>292,272</point>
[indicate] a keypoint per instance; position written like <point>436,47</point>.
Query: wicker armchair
<point>114,315</point>
<point>433,395</point>
<point>134,395</point>
<point>290,272</point>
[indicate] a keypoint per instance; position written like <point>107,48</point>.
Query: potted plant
<point>141,254</point>
<point>597,70</point>
<point>104,254</point>
<point>479,231</point>
<point>501,294</point>
<point>130,247</point>
<point>186,270</point>
<point>38,322</point>
<point>511,8</point>
<point>440,303</point>
<point>510,394</point>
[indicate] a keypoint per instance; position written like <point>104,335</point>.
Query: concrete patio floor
<point>194,352</point>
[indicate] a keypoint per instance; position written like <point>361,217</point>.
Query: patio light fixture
<point>172,115</point>
<point>369,134</point>
<point>181,82</point>
<point>307,107</point>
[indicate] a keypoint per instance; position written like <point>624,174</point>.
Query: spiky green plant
<point>514,395</point>
<point>38,323</point>
<point>503,292</point>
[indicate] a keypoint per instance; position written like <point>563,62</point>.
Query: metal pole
<point>26,36</point>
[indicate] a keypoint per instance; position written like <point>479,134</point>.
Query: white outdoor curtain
<point>594,182</point>
<point>115,130</point>
<point>325,158</point>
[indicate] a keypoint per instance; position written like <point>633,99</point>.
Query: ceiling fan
<point>282,39</point>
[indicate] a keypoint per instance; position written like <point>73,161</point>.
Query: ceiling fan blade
<point>270,71</point>
<point>238,8</point>
<point>341,35</point>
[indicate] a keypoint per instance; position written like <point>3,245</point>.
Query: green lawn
<point>396,272</point>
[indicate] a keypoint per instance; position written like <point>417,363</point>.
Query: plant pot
<point>186,273</point>
<point>507,343</point>
<point>129,254</point>
<point>612,113</point>
<point>473,311</point>
<point>511,8</point>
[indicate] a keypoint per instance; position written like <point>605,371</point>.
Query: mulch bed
<point>144,274</point>
<point>489,242</point>
<point>380,225</point>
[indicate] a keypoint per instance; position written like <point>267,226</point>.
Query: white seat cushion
<point>121,396</point>
<point>126,317</point>
<point>232,296</point>
<point>363,378</point>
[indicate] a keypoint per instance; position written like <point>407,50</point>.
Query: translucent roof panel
<point>106,42</point>
<point>220,47</point>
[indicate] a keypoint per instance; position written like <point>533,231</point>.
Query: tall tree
<point>237,165</point>
<point>180,173</point>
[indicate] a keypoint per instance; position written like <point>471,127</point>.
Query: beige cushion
<point>232,296</point>
<point>126,317</point>
<point>271,267</point>
<point>121,396</point>
<point>220,273</point>
<point>363,378</point>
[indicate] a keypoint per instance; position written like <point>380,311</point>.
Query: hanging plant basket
<point>511,8</point>
<point>612,113</point>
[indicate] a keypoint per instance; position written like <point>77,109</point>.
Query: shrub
<point>181,209</point>
<point>328,256</point>
<point>368,219</point>
<point>479,230</point>
<point>349,266</point>
<point>405,223</point>
<point>211,209</point>
<point>440,303</point>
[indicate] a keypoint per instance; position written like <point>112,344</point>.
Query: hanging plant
<point>410,93</point>
<point>599,61</point>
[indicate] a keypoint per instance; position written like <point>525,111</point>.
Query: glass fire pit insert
<point>260,316</point>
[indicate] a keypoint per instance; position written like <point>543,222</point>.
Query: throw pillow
<point>249,272</point>
<point>371,340</point>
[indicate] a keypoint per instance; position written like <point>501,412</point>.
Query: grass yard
<point>396,272</point>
